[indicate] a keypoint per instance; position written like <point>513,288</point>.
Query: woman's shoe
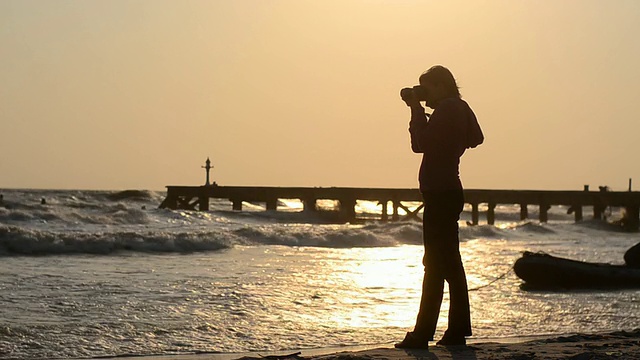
<point>450,339</point>
<point>412,341</point>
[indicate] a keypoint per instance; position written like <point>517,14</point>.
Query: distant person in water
<point>441,138</point>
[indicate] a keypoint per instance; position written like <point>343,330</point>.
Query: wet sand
<point>616,345</point>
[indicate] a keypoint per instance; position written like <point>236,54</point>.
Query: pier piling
<point>491,213</point>
<point>524,212</point>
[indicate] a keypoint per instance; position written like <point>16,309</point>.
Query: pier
<point>197,198</point>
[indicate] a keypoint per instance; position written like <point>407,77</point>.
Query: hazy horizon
<point>110,95</point>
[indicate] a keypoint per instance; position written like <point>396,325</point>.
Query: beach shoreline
<point>611,345</point>
<point>615,345</point>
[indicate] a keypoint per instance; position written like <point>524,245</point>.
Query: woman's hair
<point>439,74</point>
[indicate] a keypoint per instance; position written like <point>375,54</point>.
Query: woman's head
<point>439,84</point>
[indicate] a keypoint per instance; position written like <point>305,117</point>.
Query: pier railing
<point>197,198</point>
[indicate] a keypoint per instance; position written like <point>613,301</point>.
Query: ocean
<point>92,274</point>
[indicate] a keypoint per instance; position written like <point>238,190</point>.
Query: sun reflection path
<point>383,285</point>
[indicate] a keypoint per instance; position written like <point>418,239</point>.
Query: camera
<point>416,92</point>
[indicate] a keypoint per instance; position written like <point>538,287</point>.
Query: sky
<point>136,94</point>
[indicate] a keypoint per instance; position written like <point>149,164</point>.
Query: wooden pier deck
<point>197,198</point>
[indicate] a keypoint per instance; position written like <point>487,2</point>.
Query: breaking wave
<point>15,240</point>
<point>20,241</point>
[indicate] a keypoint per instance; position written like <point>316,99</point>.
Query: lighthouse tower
<point>208,168</point>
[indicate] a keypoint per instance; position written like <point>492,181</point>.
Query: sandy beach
<point>618,345</point>
<point>615,345</point>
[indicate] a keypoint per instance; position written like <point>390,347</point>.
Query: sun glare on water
<point>382,281</point>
